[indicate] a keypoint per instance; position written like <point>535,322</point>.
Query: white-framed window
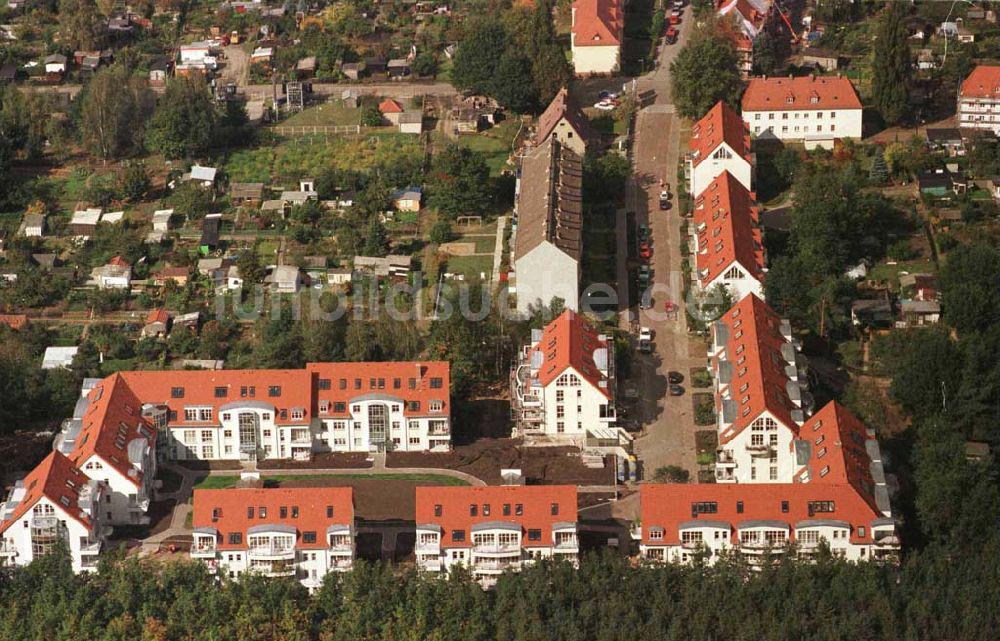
<point>298,414</point>
<point>190,414</point>
<point>207,452</point>
<point>190,437</point>
<point>205,414</point>
<point>414,440</point>
<point>435,406</point>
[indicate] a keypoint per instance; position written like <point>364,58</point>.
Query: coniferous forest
<point>934,595</point>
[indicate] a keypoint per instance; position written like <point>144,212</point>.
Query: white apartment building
<point>547,240</point>
<point>256,414</point>
<point>563,385</point>
<point>112,441</point>
<point>491,530</point>
<point>55,504</point>
<point>726,239</point>
<point>760,393</point>
<point>596,35</point>
<point>815,110</point>
<point>720,142</point>
<point>277,532</point>
<point>979,100</point>
<point>682,522</point>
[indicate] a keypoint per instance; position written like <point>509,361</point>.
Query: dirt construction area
<point>486,457</point>
<point>375,499</point>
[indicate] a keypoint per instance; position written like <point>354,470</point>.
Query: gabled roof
<point>597,23</point>
<point>726,225</point>
<point>563,107</point>
<point>753,348</point>
<point>670,506</point>
<point>390,106</point>
<point>112,421</point>
<point>983,82</point>
<point>720,125</point>
<point>838,447</point>
<point>570,341</point>
<point>549,205</point>
<point>118,261</point>
<point>750,14</point>
<point>14,321</point>
<point>798,94</point>
<point>498,507</point>
<point>305,510</point>
<point>408,382</point>
<point>157,316</point>
<point>58,480</point>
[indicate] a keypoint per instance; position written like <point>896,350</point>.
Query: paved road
<point>668,437</point>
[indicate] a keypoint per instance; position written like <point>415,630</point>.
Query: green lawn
<point>223,482</point>
<point>890,273</point>
<point>333,112</point>
<point>495,143</point>
<point>485,243</point>
<point>471,266</point>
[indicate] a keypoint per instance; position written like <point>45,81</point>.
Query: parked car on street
<point>671,35</point>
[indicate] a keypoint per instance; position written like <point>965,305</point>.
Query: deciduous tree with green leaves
<point>704,72</point>
<point>891,64</point>
<point>183,124</point>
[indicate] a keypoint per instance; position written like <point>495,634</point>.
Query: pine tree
<point>879,172</point>
<point>891,65</point>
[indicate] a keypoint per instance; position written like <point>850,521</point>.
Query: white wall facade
<point>979,113</point>
<point>546,272</point>
<point>804,125</point>
<point>721,159</point>
<point>126,500</point>
<point>572,404</point>
<point>84,544</point>
<point>737,280</point>
<point>593,60</point>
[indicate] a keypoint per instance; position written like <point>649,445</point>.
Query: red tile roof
<point>571,341</point>
<point>118,261</point>
<point>730,234</point>
<point>670,505</point>
<point>562,106</point>
<point>56,479</point>
<point>837,441</point>
<point>177,273</point>
<point>720,125</point>
<point>157,316</point>
<point>390,106</point>
<point>536,503</point>
<point>217,388</point>
<point>311,505</point>
<point>597,23</point>
<point>409,382</point>
<point>754,333</point>
<point>14,321</point>
<point>983,82</point>
<point>112,421</point>
<point>798,94</point>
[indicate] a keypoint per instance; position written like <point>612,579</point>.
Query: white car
<point>605,105</point>
<point>645,334</point>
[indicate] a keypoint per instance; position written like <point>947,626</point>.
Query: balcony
<point>430,566</point>
<point>341,564</point>
<point>506,549</point>
<point>496,567</point>
<point>692,545</point>
<point>759,449</point>
<point>301,440</point>
<point>437,430</point>
<point>90,546</point>
<point>286,552</point>
<point>725,458</point>
<point>759,547</point>
<point>202,551</point>
<point>427,547</point>
<point>277,571</point>
<point>725,475</point>
<point>7,550</point>
<point>887,540</point>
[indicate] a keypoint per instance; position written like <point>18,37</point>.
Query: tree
<point>251,270</point>
<point>183,124</point>
<point>891,65</point>
<point>704,72</point>
<point>671,474</point>
<point>441,232</point>
<point>424,64</point>
<point>459,182</point>
<point>371,116</point>
<point>191,200</point>
<point>376,238</point>
<point>110,116</point>
<point>970,288</point>
<point>80,26</point>
<point>879,172</point>
<point>134,182</point>
<point>765,54</point>
<point>512,84</point>
<point>477,57</point>
<point>927,376</point>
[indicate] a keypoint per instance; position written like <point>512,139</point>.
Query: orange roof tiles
<point>14,321</point>
<point>837,440</point>
<point>562,106</point>
<point>157,316</point>
<point>597,23</point>
<point>571,341</point>
<point>390,106</point>
<point>306,509</point>
<point>758,383</point>
<point>113,420</point>
<point>415,384</point>
<point>670,505</point>
<point>798,94</point>
<point>983,82</point>
<point>720,125</point>
<point>56,479</point>
<point>286,390</point>
<point>540,506</point>
<point>118,261</point>
<point>730,233</point>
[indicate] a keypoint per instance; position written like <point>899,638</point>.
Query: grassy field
<point>890,273</point>
<point>294,158</point>
<point>223,482</point>
<point>471,266</point>
<point>495,143</point>
<point>333,112</point>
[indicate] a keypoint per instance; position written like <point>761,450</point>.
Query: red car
<point>675,19</point>
<point>671,35</point>
<point>645,252</point>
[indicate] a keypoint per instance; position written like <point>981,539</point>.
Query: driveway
<point>668,422</point>
<point>236,68</point>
